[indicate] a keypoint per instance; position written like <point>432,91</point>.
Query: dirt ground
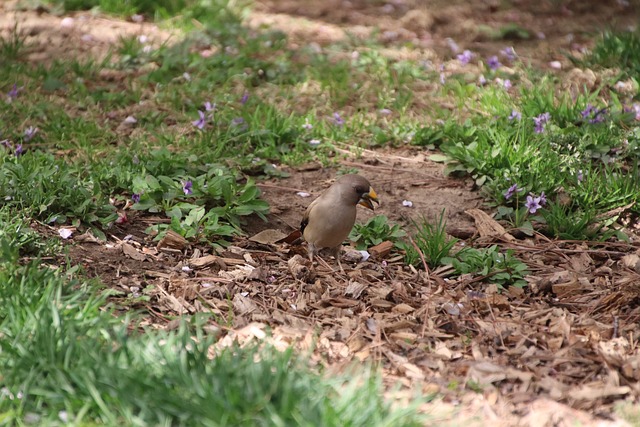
<point>563,351</point>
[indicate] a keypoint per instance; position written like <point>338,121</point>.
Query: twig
<point>426,270</point>
<point>280,187</point>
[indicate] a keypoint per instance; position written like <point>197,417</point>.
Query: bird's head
<point>361,191</point>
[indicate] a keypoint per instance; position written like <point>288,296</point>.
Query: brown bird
<point>329,218</point>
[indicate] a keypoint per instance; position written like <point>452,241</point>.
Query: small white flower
<point>206,285</point>
<point>137,18</point>
<point>67,22</point>
<point>147,49</point>
<point>64,416</point>
<point>65,233</point>
<point>407,203</point>
<point>303,194</point>
<point>556,65</point>
<point>130,120</point>
<point>143,39</point>
<point>307,125</point>
<point>186,76</point>
<point>314,142</point>
<point>186,268</point>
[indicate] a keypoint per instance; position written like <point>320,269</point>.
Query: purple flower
<point>29,133</point>
<point>240,123</point>
<point>18,151</point>
<point>385,112</point>
<point>541,121</point>
<point>482,80</point>
<point>5,143</point>
<point>509,53</point>
<point>507,84</point>
<point>543,199</point>
<point>135,197</point>
<point>587,111</point>
<point>580,176</point>
<point>245,98</point>
<point>337,120</point>
<point>511,191</point>
<point>13,93</point>
<point>533,203</point>
<point>465,57</point>
<point>307,125</point>
<point>201,122</point>
<point>186,187</point>
<point>593,114</point>
<point>493,62</point>
<point>515,115</point>
<point>208,106</point>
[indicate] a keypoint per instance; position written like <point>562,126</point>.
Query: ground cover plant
<point>139,164</point>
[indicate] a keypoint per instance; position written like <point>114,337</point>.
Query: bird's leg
<point>311,248</point>
<point>336,254</point>
<point>313,251</point>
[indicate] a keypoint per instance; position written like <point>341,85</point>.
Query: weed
<point>431,239</point>
<point>501,268</point>
<point>204,206</point>
<point>618,50</point>
<point>12,46</point>
<point>375,231</point>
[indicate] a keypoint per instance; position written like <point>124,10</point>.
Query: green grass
<point>65,359</point>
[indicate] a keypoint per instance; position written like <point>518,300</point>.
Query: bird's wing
<point>305,217</point>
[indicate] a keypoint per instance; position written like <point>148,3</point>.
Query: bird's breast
<point>329,225</point>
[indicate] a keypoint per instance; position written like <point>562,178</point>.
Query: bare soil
<point>563,351</point>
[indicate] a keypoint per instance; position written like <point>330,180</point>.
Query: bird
<point>329,219</point>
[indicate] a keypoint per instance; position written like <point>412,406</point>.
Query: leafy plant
<point>15,230</point>
<point>208,205</point>
<point>431,240</point>
<point>501,268</point>
<point>50,190</point>
<point>375,231</point>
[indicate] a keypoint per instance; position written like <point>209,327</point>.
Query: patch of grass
<point>12,46</point>
<point>151,8</point>
<point>432,241</point>
<point>620,50</point>
<point>66,360</point>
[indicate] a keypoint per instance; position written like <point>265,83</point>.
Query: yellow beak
<point>367,199</point>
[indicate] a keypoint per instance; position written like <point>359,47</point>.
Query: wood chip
<point>488,227</point>
<point>381,250</point>
<point>173,240</point>
<point>132,252</point>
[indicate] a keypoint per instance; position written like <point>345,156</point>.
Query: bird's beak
<point>367,199</point>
